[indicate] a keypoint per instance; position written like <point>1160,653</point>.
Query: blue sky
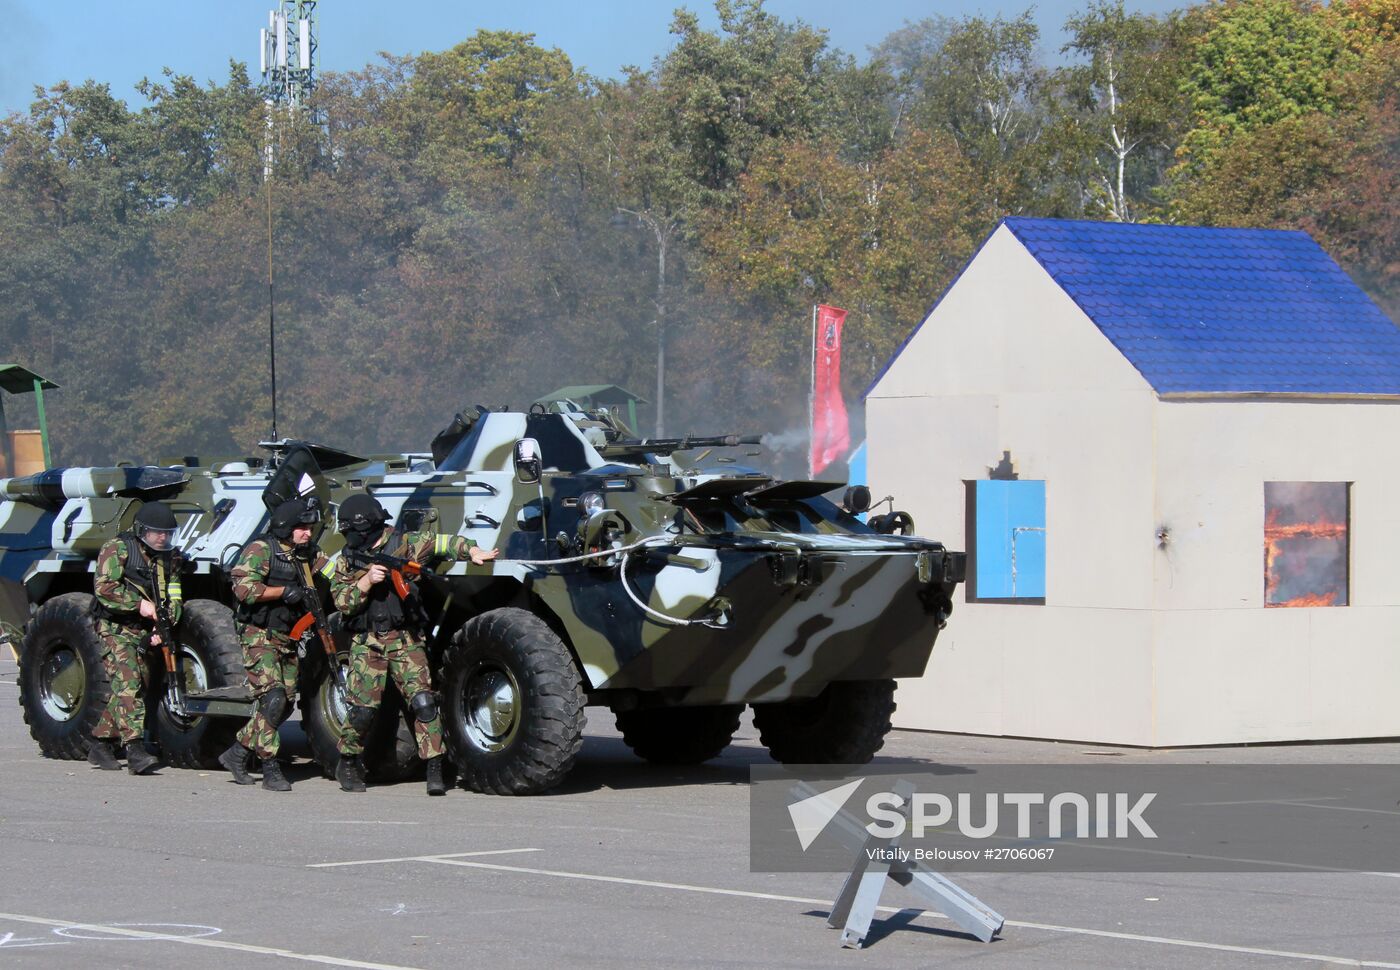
<point>121,41</point>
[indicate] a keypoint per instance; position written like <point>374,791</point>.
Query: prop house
<point>1173,454</point>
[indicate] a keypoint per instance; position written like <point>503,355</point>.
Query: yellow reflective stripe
<point>328,570</point>
<point>442,545</point>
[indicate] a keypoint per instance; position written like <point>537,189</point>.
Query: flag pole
<point>812,396</point>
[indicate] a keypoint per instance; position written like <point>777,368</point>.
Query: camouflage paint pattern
<point>249,574</point>
<point>810,594</point>
<point>269,656</point>
<point>128,669</point>
<point>374,658</point>
<point>114,591</point>
<point>270,663</point>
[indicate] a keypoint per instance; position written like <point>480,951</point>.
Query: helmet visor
<point>156,538</point>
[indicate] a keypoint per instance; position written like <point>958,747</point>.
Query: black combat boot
<point>436,784</point>
<point>235,759</point>
<point>273,779</point>
<point>100,753</point>
<point>350,772</point>
<point>139,761</point>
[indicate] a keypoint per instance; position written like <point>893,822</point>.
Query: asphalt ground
<point>628,864</point>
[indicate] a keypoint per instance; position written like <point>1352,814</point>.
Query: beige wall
<point>1227,667</point>
<point>1140,642</point>
<point>1007,362</point>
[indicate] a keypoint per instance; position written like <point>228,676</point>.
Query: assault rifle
<point>316,617</point>
<point>165,629</point>
<point>400,570</point>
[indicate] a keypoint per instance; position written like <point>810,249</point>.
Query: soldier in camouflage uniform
<point>271,580</point>
<point>388,640</point>
<point>124,616</point>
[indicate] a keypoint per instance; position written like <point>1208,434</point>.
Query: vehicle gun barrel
<point>51,488</point>
<point>665,446</point>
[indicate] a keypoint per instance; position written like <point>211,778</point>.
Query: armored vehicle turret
<point>631,574</point>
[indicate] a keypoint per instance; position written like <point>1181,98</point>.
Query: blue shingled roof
<point>1203,310</point>
<point>1219,310</point>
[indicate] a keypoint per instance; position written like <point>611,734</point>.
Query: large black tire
<point>843,725</point>
<point>213,658</point>
<point>391,753</point>
<point>512,704</point>
<point>63,687</point>
<point>679,735</point>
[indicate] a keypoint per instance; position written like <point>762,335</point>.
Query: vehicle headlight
<point>591,502</point>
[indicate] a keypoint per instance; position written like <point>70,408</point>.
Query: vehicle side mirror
<point>528,465</point>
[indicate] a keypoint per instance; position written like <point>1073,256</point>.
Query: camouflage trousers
<point>271,662</point>
<point>128,670</point>
<point>373,659</point>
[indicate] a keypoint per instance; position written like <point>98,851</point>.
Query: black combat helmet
<point>360,517</point>
<point>292,513</point>
<point>155,526</point>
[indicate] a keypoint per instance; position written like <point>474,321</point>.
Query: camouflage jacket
<point>423,547</point>
<point>121,597</point>
<point>249,574</point>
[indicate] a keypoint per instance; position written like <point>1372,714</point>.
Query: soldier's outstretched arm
<point>455,547</point>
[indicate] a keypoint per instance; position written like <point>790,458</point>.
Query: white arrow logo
<point>811,815</point>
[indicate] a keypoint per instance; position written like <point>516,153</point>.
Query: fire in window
<point>1305,543</point>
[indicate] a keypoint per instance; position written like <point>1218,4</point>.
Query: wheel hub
<point>335,706</point>
<point>491,700</point>
<point>62,681</point>
<point>196,681</point>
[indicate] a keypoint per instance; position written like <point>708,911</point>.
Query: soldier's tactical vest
<point>139,567</point>
<point>384,610</point>
<point>274,614</point>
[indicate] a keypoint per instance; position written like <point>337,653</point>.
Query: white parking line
<point>457,859</point>
<point>416,858</point>
<point>203,941</point>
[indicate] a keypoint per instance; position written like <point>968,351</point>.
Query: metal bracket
<point>879,859</point>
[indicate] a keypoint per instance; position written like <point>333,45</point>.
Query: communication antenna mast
<point>287,49</point>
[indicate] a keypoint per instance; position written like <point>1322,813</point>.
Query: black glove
<point>293,595</point>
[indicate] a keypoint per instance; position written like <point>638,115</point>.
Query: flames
<point>1305,562</point>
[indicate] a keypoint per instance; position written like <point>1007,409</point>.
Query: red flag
<point>831,437</point>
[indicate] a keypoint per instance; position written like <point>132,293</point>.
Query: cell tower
<point>288,52</point>
<point>287,56</point>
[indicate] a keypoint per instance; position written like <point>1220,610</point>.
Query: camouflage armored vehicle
<point>631,575</point>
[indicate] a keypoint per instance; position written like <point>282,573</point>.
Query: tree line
<point>485,223</point>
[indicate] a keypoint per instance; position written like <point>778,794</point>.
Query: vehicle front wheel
<point>391,752</point>
<point>212,657</point>
<point>513,704</point>
<point>63,686</point>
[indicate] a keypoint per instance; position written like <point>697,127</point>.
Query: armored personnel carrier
<point>632,574</point>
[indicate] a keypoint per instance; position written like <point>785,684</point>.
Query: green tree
<point>1257,62</point>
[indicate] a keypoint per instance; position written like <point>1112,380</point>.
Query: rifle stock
<point>315,617</point>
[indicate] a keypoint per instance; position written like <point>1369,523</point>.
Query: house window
<point>1006,520</point>
<point>1305,543</point>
